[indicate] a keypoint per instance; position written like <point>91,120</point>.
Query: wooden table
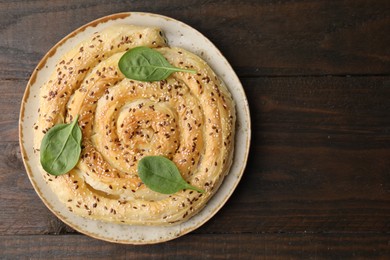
<point>317,77</point>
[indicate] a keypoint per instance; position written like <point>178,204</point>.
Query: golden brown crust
<point>189,118</point>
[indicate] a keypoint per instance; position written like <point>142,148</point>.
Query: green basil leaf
<point>145,64</point>
<point>61,148</point>
<point>161,175</point>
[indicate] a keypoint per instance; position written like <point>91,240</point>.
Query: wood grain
<point>317,78</point>
<point>257,37</point>
<point>213,246</point>
<point>11,92</point>
<point>319,161</point>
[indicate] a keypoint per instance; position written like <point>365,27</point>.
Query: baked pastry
<point>188,118</point>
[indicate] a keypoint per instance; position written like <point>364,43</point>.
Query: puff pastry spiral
<point>188,118</point>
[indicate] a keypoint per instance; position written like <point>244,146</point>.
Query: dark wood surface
<point>317,78</point>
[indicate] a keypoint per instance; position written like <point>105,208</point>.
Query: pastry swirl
<point>188,118</point>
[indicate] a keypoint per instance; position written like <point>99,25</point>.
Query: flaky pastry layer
<point>188,118</point>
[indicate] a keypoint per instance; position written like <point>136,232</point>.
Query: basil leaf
<point>145,64</point>
<point>161,175</point>
<point>61,148</point>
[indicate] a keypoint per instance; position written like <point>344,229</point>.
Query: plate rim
<point>25,155</point>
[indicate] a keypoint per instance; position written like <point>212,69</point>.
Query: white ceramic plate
<point>178,34</point>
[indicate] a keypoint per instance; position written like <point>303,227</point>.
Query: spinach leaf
<point>161,175</point>
<point>61,148</point>
<point>145,64</point>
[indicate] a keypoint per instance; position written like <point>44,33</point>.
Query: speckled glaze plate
<point>178,34</point>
